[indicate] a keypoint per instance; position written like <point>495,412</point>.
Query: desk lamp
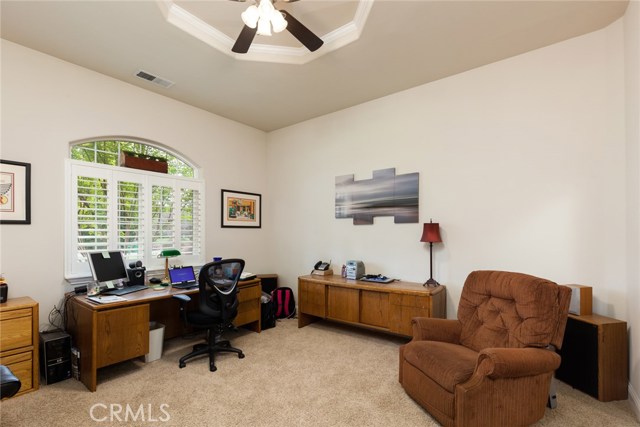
<point>431,234</point>
<point>166,254</point>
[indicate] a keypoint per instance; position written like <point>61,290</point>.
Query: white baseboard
<point>634,401</point>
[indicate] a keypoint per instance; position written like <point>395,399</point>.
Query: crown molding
<point>259,52</point>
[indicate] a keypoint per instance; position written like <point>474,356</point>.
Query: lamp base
<point>431,283</point>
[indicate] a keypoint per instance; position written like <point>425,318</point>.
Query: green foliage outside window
<point>108,153</point>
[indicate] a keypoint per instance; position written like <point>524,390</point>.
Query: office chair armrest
<point>431,329</point>
<point>516,362</point>
<point>10,383</point>
<point>183,298</point>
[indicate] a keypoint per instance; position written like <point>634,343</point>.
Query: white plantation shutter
<point>130,211</point>
<point>92,205</point>
<point>190,219</point>
<point>163,214</point>
<point>137,212</point>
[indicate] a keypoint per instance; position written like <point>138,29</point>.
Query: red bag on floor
<point>284,302</point>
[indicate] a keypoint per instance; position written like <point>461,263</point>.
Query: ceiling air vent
<point>154,79</point>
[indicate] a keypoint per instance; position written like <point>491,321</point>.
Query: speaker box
<point>581,300</point>
<point>55,356</point>
<point>136,275</point>
<point>268,281</point>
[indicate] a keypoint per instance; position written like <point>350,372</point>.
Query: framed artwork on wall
<point>15,192</point>
<point>385,194</point>
<point>241,210</point>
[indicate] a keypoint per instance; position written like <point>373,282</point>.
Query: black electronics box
<point>136,275</point>
<point>269,282</point>
<point>55,356</point>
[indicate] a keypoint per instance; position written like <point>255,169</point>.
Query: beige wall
<point>47,103</point>
<point>521,162</point>
<point>632,88</point>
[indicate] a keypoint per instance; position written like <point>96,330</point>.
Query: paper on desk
<point>105,299</point>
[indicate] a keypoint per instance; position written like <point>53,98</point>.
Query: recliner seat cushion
<point>445,363</point>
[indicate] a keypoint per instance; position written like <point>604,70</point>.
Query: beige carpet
<point>321,375</point>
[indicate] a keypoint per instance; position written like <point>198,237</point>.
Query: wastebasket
<point>156,337</point>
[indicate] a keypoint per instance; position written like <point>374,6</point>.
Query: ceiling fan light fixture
<point>264,27</point>
<point>264,16</point>
<point>277,21</point>
<point>250,16</point>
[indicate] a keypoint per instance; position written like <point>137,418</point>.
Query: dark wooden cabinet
<point>595,356</point>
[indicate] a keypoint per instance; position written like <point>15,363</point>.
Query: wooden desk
<point>19,340</point>
<point>385,307</point>
<point>110,333</point>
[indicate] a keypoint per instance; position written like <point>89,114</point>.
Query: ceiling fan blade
<point>244,40</point>
<point>302,33</point>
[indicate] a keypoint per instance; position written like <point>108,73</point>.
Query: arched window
<point>114,152</point>
<point>133,197</point>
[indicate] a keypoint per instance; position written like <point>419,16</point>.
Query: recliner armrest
<point>430,329</point>
<point>516,362</point>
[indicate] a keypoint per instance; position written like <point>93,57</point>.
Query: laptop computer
<point>183,277</point>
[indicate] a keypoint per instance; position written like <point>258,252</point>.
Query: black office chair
<point>10,384</point>
<point>217,307</point>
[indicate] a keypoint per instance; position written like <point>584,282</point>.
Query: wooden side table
<point>595,357</point>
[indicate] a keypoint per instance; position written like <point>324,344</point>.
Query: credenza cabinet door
<point>312,298</point>
<point>343,304</point>
<point>374,308</point>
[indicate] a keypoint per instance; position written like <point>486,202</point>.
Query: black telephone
<point>322,266</point>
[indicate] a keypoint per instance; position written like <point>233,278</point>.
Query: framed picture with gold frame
<point>241,209</point>
<point>15,192</point>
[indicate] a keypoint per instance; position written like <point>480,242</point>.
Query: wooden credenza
<point>595,356</point>
<point>19,341</point>
<point>384,307</point>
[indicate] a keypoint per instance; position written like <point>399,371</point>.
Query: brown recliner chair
<point>493,366</point>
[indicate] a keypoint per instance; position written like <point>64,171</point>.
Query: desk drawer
<point>249,307</point>
<point>124,334</point>
<point>248,293</point>
<point>16,331</point>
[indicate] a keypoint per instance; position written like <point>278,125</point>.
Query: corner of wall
<point>634,401</point>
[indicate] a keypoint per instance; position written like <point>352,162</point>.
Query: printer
<point>355,269</point>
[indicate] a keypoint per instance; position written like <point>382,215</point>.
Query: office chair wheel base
<point>182,365</point>
<point>212,368</point>
<point>240,355</point>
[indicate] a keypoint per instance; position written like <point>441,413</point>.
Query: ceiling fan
<point>262,16</point>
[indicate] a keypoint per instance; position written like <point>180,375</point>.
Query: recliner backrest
<point>505,309</point>
<point>218,283</point>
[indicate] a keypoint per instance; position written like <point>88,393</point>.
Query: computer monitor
<point>107,266</point>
